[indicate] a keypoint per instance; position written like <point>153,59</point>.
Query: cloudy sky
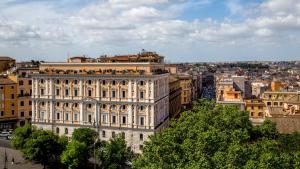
<point>181,30</point>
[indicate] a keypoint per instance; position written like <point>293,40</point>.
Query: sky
<point>180,30</point>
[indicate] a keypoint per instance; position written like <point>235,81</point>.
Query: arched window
<point>66,131</point>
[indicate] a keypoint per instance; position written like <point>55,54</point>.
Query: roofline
<point>98,64</point>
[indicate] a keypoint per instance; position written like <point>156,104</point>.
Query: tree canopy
<point>114,154</point>
<point>217,136</point>
<point>75,155</point>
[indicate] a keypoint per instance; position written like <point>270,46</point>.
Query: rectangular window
<point>2,113</point>
<point>30,82</point>
<point>141,95</point>
<point>57,116</point>
<point>103,118</point>
<point>21,82</point>
<point>13,112</point>
<point>103,133</point>
<point>141,121</point>
<point>42,92</point>
<point>57,92</point>
<point>67,116</point>
<point>22,114</point>
<point>75,117</point>
<point>30,113</point>
<point>113,119</point>
<point>141,137</point>
<point>269,103</point>
<point>124,119</point>
<point>22,92</point>
<point>90,118</point>
<point>30,102</point>
<point>42,115</point>
<point>113,94</point>
<point>22,103</point>
<point>67,92</point>
<point>103,93</point>
<point>123,94</point>
<point>75,92</point>
<point>90,93</point>
<point>12,96</point>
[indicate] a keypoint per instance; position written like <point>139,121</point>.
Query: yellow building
<point>113,98</point>
<point>276,86</point>
<point>186,84</point>
<point>278,98</point>
<point>255,107</point>
<point>8,103</point>
<point>24,85</point>
<point>174,97</point>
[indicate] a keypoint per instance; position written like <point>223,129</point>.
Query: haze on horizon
<point>181,30</point>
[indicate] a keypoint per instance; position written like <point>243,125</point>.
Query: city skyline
<point>181,30</point>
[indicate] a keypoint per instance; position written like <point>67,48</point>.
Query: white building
<point>112,98</point>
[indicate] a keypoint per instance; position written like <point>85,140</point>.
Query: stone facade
<point>109,101</point>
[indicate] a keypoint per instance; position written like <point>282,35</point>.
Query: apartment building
<point>255,107</point>
<point>8,103</point>
<point>232,90</point>
<point>23,79</point>
<point>186,84</point>
<point>113,98</point>
<point>174,97</point>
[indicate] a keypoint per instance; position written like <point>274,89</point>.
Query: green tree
<point>75,155</point>
<point>114,154</point>
<point>218,136</point>
<point>41,146</point>
<point>20,136</point>
<point>87,136</point>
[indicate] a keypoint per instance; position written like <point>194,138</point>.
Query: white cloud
<point>112,25</point>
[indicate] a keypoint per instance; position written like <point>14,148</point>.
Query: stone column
<point>80,88</point>
<point>135,90</point>
<point>147,117</point>
<point>152,117</point>
<point>153,90</point>
<point>33,110</point>
<point>130,116</point>
<point>51,88</point>
<point>37,110</point>
<point>51,108</point>
<point>96,115</point>
<point>81,113</point>
<point>46,90</point>
<point>98,89</point>
<point>135,116</point>
<point>129,96</point>
<point>47,115</point>
<point>147,91</point>
<point>36,88</point>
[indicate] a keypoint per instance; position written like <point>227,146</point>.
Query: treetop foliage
<point>218,136</point>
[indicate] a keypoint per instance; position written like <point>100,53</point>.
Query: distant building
<point>174,97</point>
<point>255,107</point>
<point>186,84</point>
<point>144,56</point>
<point>22,76</point>
<point>258,88</point>
<point>8,103</point>
<point>6,63</point>
<point>232,90</point>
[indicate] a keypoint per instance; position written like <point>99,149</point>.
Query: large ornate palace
<point>113,98</point>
